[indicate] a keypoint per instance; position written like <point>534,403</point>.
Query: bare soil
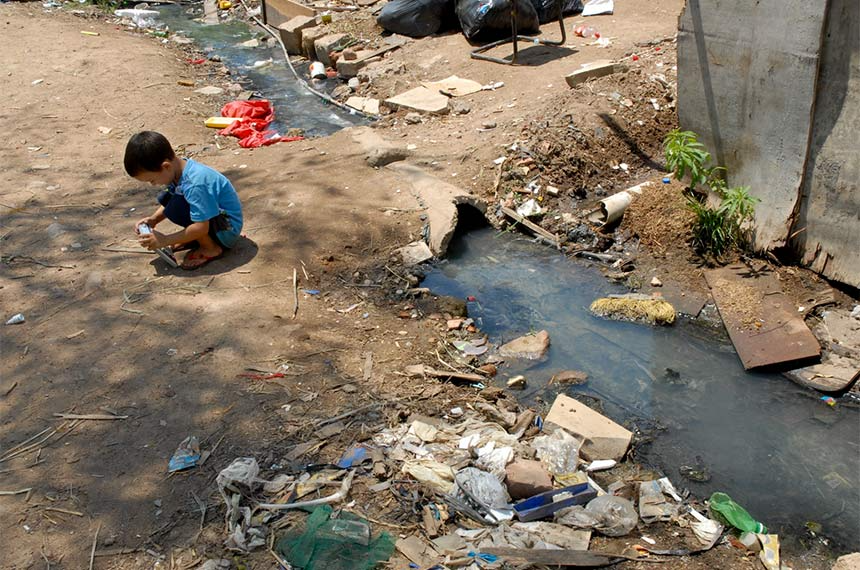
<point>108,331</point>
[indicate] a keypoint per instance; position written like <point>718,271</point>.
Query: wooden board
<point>550,237</point>
<point>764,326</point>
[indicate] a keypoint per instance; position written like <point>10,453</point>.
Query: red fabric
<point>251,129</point>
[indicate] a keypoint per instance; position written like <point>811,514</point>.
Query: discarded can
<point>16,320</point>
<point>317,70</point>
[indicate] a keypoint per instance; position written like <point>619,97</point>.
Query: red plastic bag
<point>251,129</point>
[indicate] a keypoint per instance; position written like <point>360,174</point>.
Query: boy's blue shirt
<point>209,193</point>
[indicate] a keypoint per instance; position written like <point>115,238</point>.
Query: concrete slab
<point>367,105</point>
<point>415,253</point>
<point>592,70</point>
<point>277,12</point>
<point>422,100</point>
<point>327,44</point>
<point>603,438</point>
<point>453,86</point>
<point>351,67</point>
<point>763,324</point>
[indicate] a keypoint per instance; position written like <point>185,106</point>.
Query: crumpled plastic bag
<point>607,514</point>
<point>241,534</point>
<point>558,451</point>
<point>251,129</point>
<point>485,487</point>
<point>431,473</point>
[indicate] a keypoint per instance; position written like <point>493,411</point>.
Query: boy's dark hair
<point>146,151</point>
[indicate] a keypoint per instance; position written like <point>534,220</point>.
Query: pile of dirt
<point>661,219</point>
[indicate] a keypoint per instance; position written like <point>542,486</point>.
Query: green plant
<point>684,153</point>
<point>717,229</point>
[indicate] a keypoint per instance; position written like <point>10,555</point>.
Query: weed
<point>684,153</point>
<point>717,229</point>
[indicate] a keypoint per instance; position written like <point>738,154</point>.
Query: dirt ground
<point>110,331</point>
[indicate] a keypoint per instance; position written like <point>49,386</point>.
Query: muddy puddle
<point>295,106</point>
<point>773,446</point>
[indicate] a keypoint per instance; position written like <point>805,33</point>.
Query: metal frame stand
<point>478,53</point>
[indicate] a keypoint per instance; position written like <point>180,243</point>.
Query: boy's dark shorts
<point>178,210</point>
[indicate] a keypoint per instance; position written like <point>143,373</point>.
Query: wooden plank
<point>576,558</point>
<point>552,238</point>
<point>763,324</point>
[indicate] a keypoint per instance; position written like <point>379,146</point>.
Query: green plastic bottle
<point>729,513</point>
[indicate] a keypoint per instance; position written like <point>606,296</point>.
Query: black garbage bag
<point>547,10</point>
<point>488,19</point>
<point>416,18</point>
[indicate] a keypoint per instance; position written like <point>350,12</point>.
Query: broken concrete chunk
<point>530,347</point>
<point>383,156</point>
<point>278,12</point>
<point>604,439</point>
<point>325,45</point>
<point>291,32</point>
<point>367,105</point>
<point>453,86</point>
<point>309,38</point>
<point>422,100</point>
<point>351,67</point>
<point>574,377</point>
<point>209,90</point>
<point>592,70</point>
<point>415,253</point>
<point>525,478</point>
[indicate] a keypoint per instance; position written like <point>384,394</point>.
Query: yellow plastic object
<point>225,4</point>
<point>220,122</point>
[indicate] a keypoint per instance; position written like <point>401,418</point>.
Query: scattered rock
<point>349,54</point>
<point>209,90</point>
<point>488,369</point>
<point>574,377</point>
<point>455,324</point>
<point>353,83</point>
<point>655,282</point>
<point>341,92</point>
<point>415,253</point>
<point>295,132</point>
<point>488,125</point>
<point>530,347</point>
<point>848,562</point>
<point>460,107</point>
<point>380,157</point>
<point>412,118</point>
<point>525,478</point>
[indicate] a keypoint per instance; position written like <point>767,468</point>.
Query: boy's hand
<point>148,221</point>
<point>155,240</point>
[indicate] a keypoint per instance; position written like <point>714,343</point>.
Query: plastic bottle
<point>586,32</point>
<point>729,513</point>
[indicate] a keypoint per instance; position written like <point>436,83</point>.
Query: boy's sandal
<point>196,260</point>
<point>183,246</point>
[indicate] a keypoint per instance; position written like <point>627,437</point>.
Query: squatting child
<point>199,199</point>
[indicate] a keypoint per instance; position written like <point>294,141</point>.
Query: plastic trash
<point>143,19</point>
<point>607,514</point>
<point>485,489</point>
<point>325,543</point>
<point>317,70</point>
<point>547,10</point>
<point>16,319</point>
<point>416,18</point>
<point>585,32</point>
<point>559,451</point>
<point>729,513</point>
<point>597,7</point>
<point>187,455</point>
<point>529,208</point>
<point>653,506</point>
<point>355,455</point>
<point>486,19</point>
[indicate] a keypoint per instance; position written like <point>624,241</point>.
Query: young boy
<point>198,198</point>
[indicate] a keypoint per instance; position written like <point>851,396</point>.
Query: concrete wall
<point>771,89</point>
<point>827,226</point>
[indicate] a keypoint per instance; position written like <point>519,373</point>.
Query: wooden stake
<point>95,542</point>
<point>295,293</point>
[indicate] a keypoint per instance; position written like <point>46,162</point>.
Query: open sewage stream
<point>791,460</point>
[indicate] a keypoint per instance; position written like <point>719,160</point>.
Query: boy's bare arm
<point>157,240</point>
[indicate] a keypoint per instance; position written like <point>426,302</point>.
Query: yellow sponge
<point>639,308</point>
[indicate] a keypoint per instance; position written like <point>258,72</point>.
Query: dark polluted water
<point>295,106</point>
<point>770,444</point>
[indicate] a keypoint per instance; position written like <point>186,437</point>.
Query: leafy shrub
<point>684,153</point>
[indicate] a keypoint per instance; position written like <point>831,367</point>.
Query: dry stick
<point>25,442</point>
<point>10,454</point>
<point>64,511</point>
<point>90,417</point>
<point>295,293</point>
<point>19,492</point>
<point>305,271</point>
<point>127,250</point>
<point>95,542</point>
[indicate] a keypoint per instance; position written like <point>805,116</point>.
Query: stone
<point>325,45</point>
<point>412,118</point>
<point>420,99</point>
<point>488,369</point>
<point>209,90</point>
<point>380,157</point>
<point>292,30</point>
<point>460,107</point>
<point>367,105</point>
<point>488,125</point>
<point>295,132</point>
<point>517,382</point>
<point>309,38</point>
<point>415,253</point>
<point>655,282</point>
<point>525,478</point>
<point>341,92</point>
<point>848,562</point>
<point>350,68</point>
<point>530,347</point>
<point>349,54</point>
<point>353,83</point>
<point>593,70</point>
<point>254,43</point>
<point>574,377</point>
<point>455,324</point>
<point>603,438</point>
<point>453,86</point>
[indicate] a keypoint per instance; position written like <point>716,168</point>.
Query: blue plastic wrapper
<point>187,455</point>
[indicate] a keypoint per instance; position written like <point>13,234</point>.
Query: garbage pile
<point>478,487</point>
